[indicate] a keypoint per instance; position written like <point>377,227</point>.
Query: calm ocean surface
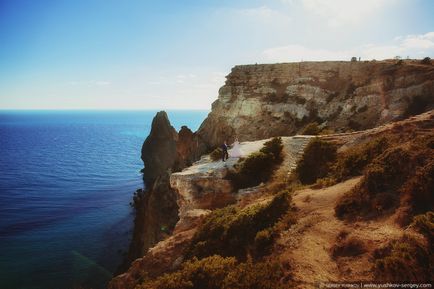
<point>66,181</point>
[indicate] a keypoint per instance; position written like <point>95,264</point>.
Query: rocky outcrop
<point>261,101</point>
<point>159,149</point>
<point>156,215</point>
<point>202,187</point>
<point>187,148</point>
<point>163,152</point>
<point>199,189</point>
<point>156,209</point>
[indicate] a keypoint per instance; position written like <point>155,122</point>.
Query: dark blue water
<point>66,181</point>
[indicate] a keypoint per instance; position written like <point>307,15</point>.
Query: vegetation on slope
<point>216,272</point>
<point>316,161</point>
<point>406,259</point>
<point>232,231</point>
<point>257,167</point>
<point>399,176</point>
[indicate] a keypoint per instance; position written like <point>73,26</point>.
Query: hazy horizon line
<point>99,109</point>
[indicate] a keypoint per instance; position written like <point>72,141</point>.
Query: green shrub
<point>273,147</point>
<point>353,161</point>
<point>216,272</point>
<point>257,167</point>
<point>419,188</point>
<point>348,247</point>
<point>405,259</point>
<point>425,225</point>
<point>249,275</point>
<point>401,174</point>
<point>231,231</point>
<point>391,169</point>
<point>426,60</point>
<point>316,161</point>
<point>324,182</point>
<point>263,241</point>
<point>216,154</point>
<point>311,129</point>
<point>349,205</point>
<point>195,274</point>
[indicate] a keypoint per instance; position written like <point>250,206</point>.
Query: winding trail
<point>306,247</point>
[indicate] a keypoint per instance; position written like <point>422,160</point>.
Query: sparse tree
<point>426,60</point>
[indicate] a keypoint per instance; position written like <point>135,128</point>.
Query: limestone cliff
<point>159,149</point>
<point>261,101</point>
<point>164,151</point>
<point>256,103</point>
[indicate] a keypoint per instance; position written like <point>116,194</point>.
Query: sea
<point>66,182</point>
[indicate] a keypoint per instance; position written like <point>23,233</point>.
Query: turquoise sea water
<point>66,180</point>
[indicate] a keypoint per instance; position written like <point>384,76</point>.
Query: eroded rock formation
<point>261,101</point>
<point>159,149</point>
<point>163,152</point>
<point>258,102</point>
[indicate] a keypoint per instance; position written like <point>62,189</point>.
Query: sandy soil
<point>306,248</point>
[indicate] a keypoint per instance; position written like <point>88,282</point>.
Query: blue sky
<point>94,54</point>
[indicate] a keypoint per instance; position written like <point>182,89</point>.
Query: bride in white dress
<point>235,151</point>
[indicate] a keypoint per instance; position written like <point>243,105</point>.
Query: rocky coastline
<point>256,103</point>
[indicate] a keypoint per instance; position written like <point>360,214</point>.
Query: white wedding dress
<point>235,151</point>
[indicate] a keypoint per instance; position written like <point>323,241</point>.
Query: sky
<point>113,54</point>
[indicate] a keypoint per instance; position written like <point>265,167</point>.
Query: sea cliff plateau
<point>352,104</point>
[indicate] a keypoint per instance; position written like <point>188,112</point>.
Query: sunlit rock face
<point>202,187</point>
<point>261,101</point>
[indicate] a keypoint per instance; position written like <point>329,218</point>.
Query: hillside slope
<point>311,245</point>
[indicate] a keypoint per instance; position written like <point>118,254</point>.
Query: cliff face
<point>159,149</point>
<point>256,103</point>
<point>164,151</point>
<point>155,206</point>
<point>261,101</point>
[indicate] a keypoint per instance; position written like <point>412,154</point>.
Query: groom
<point>225,154</point>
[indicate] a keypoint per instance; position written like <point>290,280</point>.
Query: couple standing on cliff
<point>235,151</point>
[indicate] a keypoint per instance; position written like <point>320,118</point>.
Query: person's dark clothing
<point>225,154</point>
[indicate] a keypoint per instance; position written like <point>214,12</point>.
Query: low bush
<point>324,182</point>
<point>418,190</point>
<point>263,241</point>
<point>273,147</point>
<point>353,161</point>
<point>231,231</point>
<point>426,60</point>
<point>216,272</point>
<point>316,161</point>
<point>249,275</point>
<point>216,154</point>
<point>348,247</point>
<point>311,129</point>
<point>425,225</point>
<point>402,174</point>
<point>403,260</point>
<point>257,167</point>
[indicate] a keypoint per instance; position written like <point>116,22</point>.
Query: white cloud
<point>342,12</point>
<point>414,46</point>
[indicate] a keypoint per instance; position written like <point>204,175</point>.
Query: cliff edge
<point>266,100</point>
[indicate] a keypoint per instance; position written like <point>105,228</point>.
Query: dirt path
<point>307,246</point>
